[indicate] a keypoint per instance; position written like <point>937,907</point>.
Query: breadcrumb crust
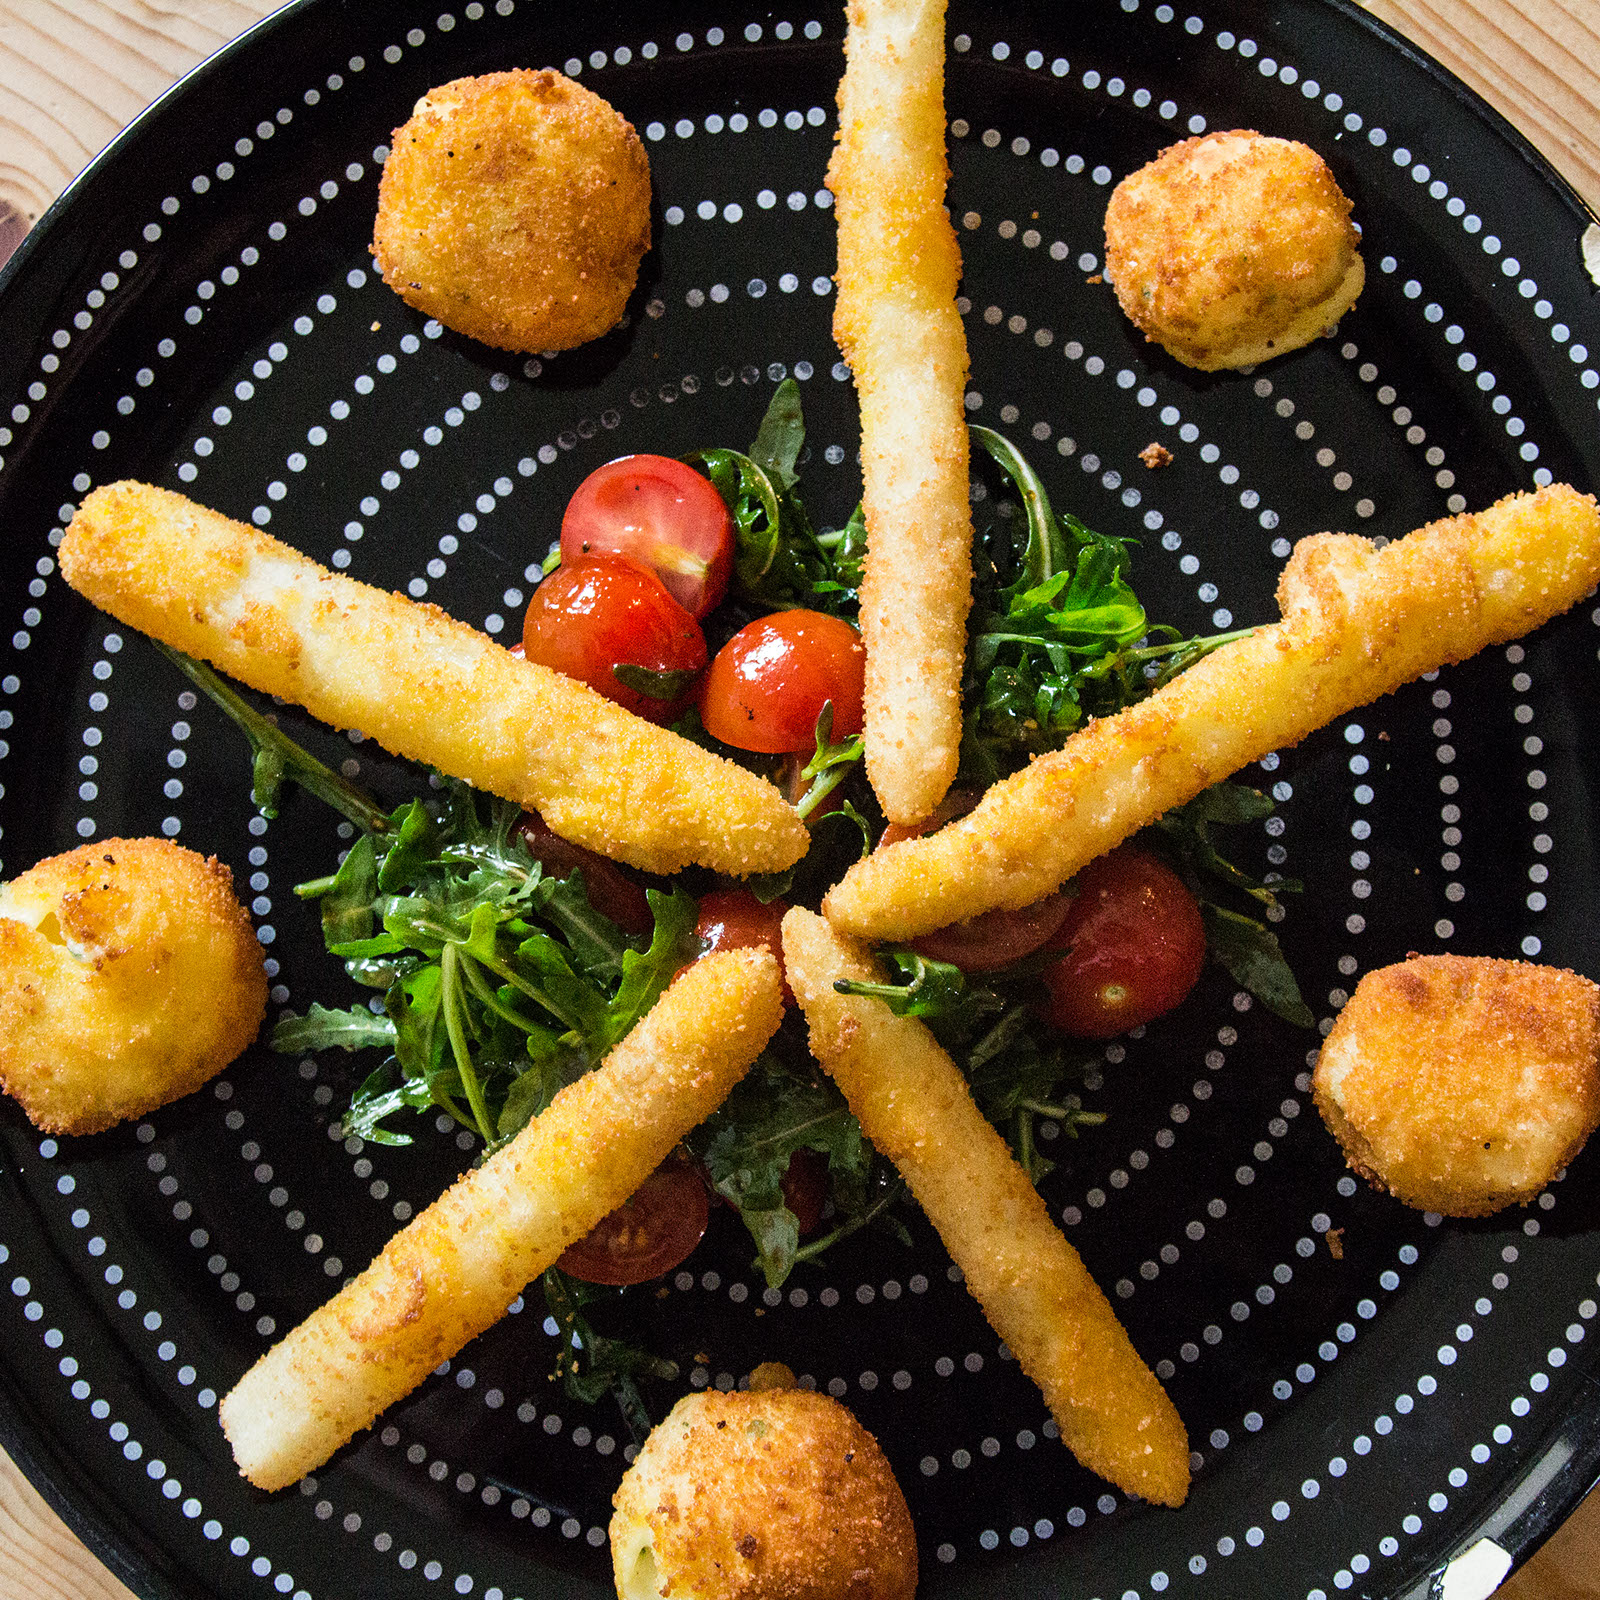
<point>129,976</point>
<point>1358,621</point>
<point>1232,248</point>
<point>452,1271</point>
<point>897,324</point>
<point>914,1105</point>
<point>1463,1084</point>
<point>774,1495</point>
<point>515,208</point>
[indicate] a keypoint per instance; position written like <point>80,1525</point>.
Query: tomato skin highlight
<point>733,919</point>
<point>770,681</point>
<point>611,891</point>
<point>996,938</point>
<point>646,1235</point>
<point>1135,945</point>
<point>662,514</point>
<point>604,611</point>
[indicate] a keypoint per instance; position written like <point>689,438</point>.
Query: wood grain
<point>74,72</point>
<point>1536,62</point>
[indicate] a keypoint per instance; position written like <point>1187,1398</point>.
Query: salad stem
<point>277,755</point>
<point>484,990</point>
<point>806,1252</point>
<point>450,982</point>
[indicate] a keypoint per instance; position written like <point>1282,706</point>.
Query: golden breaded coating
<point>1357,623</point>
<point>777,1494</point>
<point>515,208</point>
<point>914,1105</point>
<point>897,324</point>
<point>129,976</point>
<point>422,684</point>
<point>453,1270</point>
<point>1463,1084</point>
<point>1232,248</point>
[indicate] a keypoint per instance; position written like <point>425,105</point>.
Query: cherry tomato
<point>805,1187</point>
<point>996,938</point>
<point>603,611</point>
<point>663,515</point>
<point>1135,945</point>
<point>647,1235</point>
<point>517,651</point>
<point>771,680</point>
<point>611,891</point>
<point>957,803</point>
<point>733,919</point>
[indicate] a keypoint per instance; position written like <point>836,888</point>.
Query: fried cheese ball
<point>1232,248</point>
<point>1463,1084</point>
<point>515,208</point>
<point>774,1494</point>
<point>129,976</point>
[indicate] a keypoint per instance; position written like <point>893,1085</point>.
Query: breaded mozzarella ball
<point>1232,248</point>
<point>1462,1084</point>
<point>129,975</point>
<point>776,1494</point>
<point>515,208</point>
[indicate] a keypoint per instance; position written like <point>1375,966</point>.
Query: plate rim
<point>70,1490</point>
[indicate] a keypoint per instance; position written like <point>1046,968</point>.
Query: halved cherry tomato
<point>647,1235</point>
<point>663,515</point>
<point>1135,945</point>
<point>733,919</point>
<point>805,1187</point>
<point>600,612</point>
<point>995,939</point>
<point>611,892</point>
<point>770,681</point>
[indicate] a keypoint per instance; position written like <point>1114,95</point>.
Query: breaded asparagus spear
<point>453,1270</point>
<point>897,324</point>
<point>1357,623</point>
<point>914,1105</point>
<point>422,684</point>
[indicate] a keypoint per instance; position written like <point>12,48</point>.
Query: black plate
<point>200,311</point>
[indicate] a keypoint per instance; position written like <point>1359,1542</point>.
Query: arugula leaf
<point>1244,944</point>
<point>347,898</point>
<point>1251,953</point>
<point>781,435</point>
<point>276,757</point>
<point>645,975</point>
<point>828,768</point>
<point>747,1144</point>
<point>1056,633</point>
<point>933,989</point>
<point>669,683</point>
<point>322,1029</point>
<point>413,840</point>
<point>780,560</point>
<point>591,1365</point>
<point>379,1096</point>
<point>596,943</point>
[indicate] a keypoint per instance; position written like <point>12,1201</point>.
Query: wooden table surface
<point>73,72</point>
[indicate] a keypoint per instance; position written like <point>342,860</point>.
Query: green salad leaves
<point>500,985</point>
<point>493,983</point>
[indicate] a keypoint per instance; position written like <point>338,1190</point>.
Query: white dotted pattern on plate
<point>276,362</point>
